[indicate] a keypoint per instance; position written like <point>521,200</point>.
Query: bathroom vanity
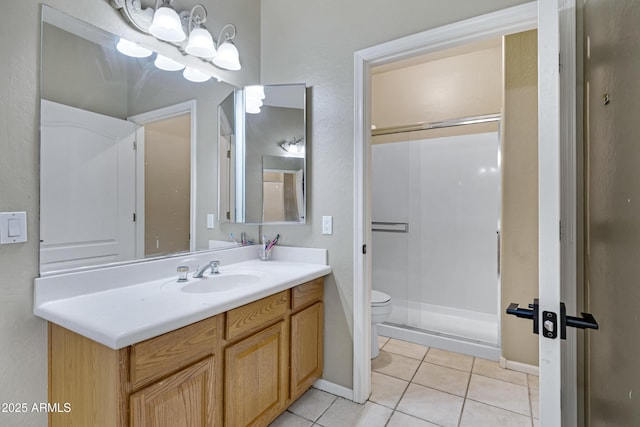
<point>254,350</point>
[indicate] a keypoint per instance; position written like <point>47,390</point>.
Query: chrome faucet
<point>213,265</point>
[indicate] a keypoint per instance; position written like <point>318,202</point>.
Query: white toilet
<point>380,311</point>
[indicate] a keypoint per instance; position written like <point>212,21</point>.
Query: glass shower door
<point>390,213</point>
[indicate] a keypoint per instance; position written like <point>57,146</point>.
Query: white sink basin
<point>222,282</point>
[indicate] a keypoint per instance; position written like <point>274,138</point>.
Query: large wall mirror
<point>262,156</point>
<point>128,152</point>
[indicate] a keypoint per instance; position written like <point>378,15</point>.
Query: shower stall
<point>435,240</point>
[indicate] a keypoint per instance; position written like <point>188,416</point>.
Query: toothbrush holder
<point>264,254</point>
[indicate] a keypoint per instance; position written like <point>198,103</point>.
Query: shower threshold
<point>441,340</point>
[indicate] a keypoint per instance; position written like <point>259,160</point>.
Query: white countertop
<point>127,313</point>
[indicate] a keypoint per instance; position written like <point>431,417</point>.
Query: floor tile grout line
<point>466,392</point>
<point>500,407</point>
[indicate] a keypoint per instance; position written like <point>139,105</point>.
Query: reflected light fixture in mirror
<point>254,95</point>
<point>294,147</point>
<point>132,49</point>
<point>167,64</point>
<point>194,75</point>
<point>166,24</point>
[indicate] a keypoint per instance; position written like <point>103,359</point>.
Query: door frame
<point>150,117</point>
<point>511,20</point>
<point>557,206</point>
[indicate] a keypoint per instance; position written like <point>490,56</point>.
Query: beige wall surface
<point>167,183</point>
<point>458,86</point>
<point>314,43</point>
<point>23,337</point>
<point>519,239</point>
<point>612,240</point>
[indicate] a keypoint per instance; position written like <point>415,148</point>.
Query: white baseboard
<point>520,367</point>
<point>334,388</point>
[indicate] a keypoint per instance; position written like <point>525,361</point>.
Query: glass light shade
<point>167,64</point>
<point>166,25</point>
<point>200,44</point>
<point>252,105</point>
<point>194,75</point>
<point>255,91</point>
<point>228,57</point>
<point>132,49</point>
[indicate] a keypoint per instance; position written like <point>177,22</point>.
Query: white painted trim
<point>362,234</point>
<point>334,388</point>
<point>549,253</point>
<point>520,367</point>
<point>568,207</point>
<point>167,113</point>
<point>496,24</point>
<point>140,185</point>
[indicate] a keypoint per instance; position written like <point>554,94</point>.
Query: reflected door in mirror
<point>87,188</point>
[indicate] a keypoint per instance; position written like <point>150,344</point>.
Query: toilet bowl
<point>380,311</point>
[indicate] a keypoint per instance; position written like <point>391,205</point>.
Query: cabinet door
<point>255,386</point>
<point>185,399</point>
<point>306,348</point>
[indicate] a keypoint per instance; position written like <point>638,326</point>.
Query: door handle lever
<point>587,321</point>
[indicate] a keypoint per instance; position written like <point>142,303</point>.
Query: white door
<point>87,188</point>
<point>556,213</point>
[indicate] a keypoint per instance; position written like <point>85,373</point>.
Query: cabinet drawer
<point>307,293</point>
<point>256,314</point>
<point>159,356</point>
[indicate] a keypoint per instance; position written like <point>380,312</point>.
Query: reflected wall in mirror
<point>128,152</point>
<point>265,161</point>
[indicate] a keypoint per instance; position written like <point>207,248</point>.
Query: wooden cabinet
<point>240,368</point>
<point>306,348</point>
<point>306,336</point>
<point>169,380</point>
<point>183,399</point>
<point>255,386</point>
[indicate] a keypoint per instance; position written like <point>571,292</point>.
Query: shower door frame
<point>507,21</point>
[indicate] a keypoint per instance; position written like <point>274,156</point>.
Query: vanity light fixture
<point>200,41</point>
<point>132,49</point>
<point>166,24</point>
<point>228,56</point>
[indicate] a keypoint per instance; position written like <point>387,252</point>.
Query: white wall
<point>314,42</point>
<point>23,337</point>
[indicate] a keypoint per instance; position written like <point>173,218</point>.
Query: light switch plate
<point>327,224</point>
<point>13,227</point>
<point>210,222</point>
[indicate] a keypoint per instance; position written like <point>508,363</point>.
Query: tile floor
<point>417,386</point>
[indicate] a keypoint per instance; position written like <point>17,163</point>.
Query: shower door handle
<point>587,321</point>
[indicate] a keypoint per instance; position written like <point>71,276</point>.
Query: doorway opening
<point>165,180</point>
<point>435,149</point>
<point>512,20</point>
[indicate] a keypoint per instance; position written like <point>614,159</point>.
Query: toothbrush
<point>273,242</point>
<point>233,238</point>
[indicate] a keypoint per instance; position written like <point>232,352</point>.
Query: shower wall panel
<point>447,190</point>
